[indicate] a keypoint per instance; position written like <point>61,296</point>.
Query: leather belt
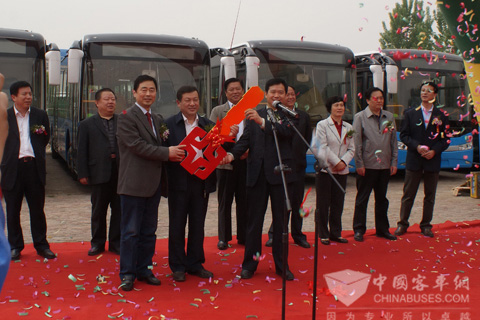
<point>26,159</point>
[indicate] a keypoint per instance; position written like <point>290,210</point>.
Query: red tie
<point>149,118</point>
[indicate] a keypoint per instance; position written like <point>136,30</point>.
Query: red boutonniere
<point>38,129</point>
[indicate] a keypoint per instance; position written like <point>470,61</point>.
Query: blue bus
<point>316,70</point>
<point>114,61</point>
<point>22,57</point>
<point>400,72</point>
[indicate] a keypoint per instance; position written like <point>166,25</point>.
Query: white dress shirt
<point>23,122</point>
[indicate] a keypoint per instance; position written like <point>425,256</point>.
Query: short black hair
<point>275,81</point>
<point>429,83</point>
<point>294,90</point>
<point>368,93</point>
<point>143,78</point>
<point>186,89</point>
<point>232,80</point>
<point>18,85</point>
<point>98,94</point>
<point>331,101</point>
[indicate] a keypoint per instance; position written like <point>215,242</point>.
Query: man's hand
<point>234,130</point>
<point>429,154</point>
<point>422,149</point>
<point>227,159</point>
<point>83,181</point>
<point>339,166</point>
<point>245,155</point>
<point>361,171</point>
<point>252,114</point>
<point>176,153</point>
<point>393,170</point>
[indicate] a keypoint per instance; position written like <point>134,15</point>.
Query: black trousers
<point>330,201</point>
<point>28,184</point>
<point>231,184</point>
<point>190,205</point>
<point>104,195</point>
<point>257,197</point>
<point>378,181</point>
<point>410,188</point>
<point>296,221</point>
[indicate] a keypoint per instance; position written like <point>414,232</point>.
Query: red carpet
<point>441,280</point>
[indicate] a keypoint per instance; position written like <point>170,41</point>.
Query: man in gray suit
<point>97,166</point>
<point>231,177</point>
<point>140,136</point>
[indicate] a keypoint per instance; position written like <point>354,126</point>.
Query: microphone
<point>271,115</point>
<point>279,105</point>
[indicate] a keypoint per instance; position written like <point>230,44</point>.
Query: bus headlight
<point>401,145</point>
<point>460,147</point>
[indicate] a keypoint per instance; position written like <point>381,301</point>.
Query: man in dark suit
<point>187,194</point>
<point>24,171</point>
<point>299,149</point>
<point>97,166</point>
<point>140,136</point>
<point>262,181</point>
<point>231,177</point>
<point>424,132</point>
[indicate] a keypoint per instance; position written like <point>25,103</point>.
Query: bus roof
<point>390,52</point>
<point>143,38</point>
<point>21,35</point>
<point>296,44</point>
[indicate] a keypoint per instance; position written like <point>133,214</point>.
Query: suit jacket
<point>177,175</point>
<point>334,147</point>
<point>298,145</point>
<point>94,155</point>
<point>414,133</point>
<point>9,164</point>
<point>263,153</point>
<point>142,153</point>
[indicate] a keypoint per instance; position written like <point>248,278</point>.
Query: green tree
<point>410,27</point>
<point>443,36</point>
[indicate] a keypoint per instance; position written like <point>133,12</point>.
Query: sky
<point>351,23</point>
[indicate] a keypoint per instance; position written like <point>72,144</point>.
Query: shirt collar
<point>370,113</point>
<point>424,110</point>
<point>142,108</point>
<point>186,120</point>
<point>18,112</point>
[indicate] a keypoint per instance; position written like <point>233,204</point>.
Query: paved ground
<point>68,206</point>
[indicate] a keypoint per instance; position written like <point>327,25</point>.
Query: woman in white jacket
<point>336,149</point>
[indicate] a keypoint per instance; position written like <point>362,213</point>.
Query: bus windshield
<point>23,61</point>
<point>315,81</point>
<point>451,96</point>
<point>117,66</point>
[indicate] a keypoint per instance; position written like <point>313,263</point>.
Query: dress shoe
<point>302,243</point>
<point>269,243</point>
<point>95,251</point>
<point>241,242</point>
<point>15,254</point>
<point>358,237</point>
<point>387,236</point>
<point>339,240</point>
<point>325,241</point>
<point>114,250</point>
<point>201,273</point>
<point>127,284</point>
<point>288,275</point>
<point>150,279</point>
<point>401,230</point>
<point>47,253</point>
<point>179,276</point>
<point>222,245</point>
<point>246,274</point>
<point>428,233</point>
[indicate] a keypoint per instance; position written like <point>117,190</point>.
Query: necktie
<point>149,118</point>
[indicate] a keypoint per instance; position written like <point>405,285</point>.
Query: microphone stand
<point>317,218</point>
<point>282,169</point>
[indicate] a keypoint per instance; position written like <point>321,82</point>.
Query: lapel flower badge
<point>164,131</point>
<point>38,129</point>
<point>388,126</point>
<point>349,135</point>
